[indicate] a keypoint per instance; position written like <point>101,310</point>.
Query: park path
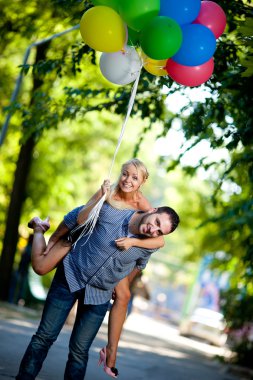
<point>149,349</point>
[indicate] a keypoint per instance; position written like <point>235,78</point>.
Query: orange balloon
<point>153,66</point>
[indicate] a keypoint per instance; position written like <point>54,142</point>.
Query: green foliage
<point>75,114</point>
<point>245,32</point>
<point>225,120</point>
<point>235,303</point>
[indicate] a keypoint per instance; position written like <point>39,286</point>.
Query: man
<point>89,273</point>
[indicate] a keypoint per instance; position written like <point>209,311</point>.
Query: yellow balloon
<point>103,29</point>
<point>153,66</point>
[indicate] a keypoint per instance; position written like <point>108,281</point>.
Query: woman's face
<point>130,180</point>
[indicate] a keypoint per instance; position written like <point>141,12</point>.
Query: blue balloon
<point>198,45</point>
<point>182,11</point>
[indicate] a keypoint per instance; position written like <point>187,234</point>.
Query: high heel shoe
<point>113,372</point>
<point>37,222</point>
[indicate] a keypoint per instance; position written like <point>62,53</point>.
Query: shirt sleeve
<point>142,262</point>
<point>70,219</point>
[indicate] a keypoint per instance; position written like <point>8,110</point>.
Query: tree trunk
<point>18,197</point>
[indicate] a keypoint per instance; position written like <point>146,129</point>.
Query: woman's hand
<point>124,243</point>
<point>105,187</point>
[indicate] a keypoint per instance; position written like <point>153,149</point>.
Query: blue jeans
<point>58,304</point>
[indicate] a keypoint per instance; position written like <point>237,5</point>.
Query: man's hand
<point>124,243</point>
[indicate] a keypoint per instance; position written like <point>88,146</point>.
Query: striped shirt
<point>98,265</point>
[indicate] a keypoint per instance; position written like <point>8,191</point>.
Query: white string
<point>129,109</point>
<point>89,224</point>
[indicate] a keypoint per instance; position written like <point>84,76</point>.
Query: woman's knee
<point>40,268</point>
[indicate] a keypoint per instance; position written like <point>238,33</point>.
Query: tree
<point>223,119</point>
<point>18,194</point>
<point>47,108</point>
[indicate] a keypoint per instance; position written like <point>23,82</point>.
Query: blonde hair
<point>141,168</point>
<point>139,165</point>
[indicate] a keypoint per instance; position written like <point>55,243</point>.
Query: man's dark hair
<point>174,218</point>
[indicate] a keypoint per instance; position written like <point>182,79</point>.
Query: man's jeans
<point>57,307</point>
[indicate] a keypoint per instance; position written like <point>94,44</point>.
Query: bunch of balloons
<point>166,37</point>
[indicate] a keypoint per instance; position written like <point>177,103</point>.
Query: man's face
<point>154,225</point>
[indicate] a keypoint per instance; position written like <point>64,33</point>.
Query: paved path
<point>148,350</point>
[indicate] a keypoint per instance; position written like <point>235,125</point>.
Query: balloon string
<point>129,110</point>
<point>88,226</point>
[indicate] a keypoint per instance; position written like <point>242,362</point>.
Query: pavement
<point>148,348</point>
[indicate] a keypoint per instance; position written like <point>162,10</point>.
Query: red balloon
<point>190,75</point>
<point>212,16</point>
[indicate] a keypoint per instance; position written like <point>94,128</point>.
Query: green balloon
<point>137,13</point>
<point>107,3</point>
<point>161,38</point>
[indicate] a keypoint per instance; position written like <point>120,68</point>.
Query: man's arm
<point>130,278</point>
<point>133,274</point>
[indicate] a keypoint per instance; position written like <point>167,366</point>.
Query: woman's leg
<point>43,263</point>
<point>117,318</point>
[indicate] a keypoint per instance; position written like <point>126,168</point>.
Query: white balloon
<point>121,67</point>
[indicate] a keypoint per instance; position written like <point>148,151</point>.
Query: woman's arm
<point>149,243</point>
<point>125,243</point>
<point>85,211</point>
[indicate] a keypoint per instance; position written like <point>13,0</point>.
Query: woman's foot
<point>110,356</point>
<point>39,225</point>
<point>113,372</point>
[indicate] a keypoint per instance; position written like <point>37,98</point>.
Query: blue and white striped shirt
<point>98,265</point>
